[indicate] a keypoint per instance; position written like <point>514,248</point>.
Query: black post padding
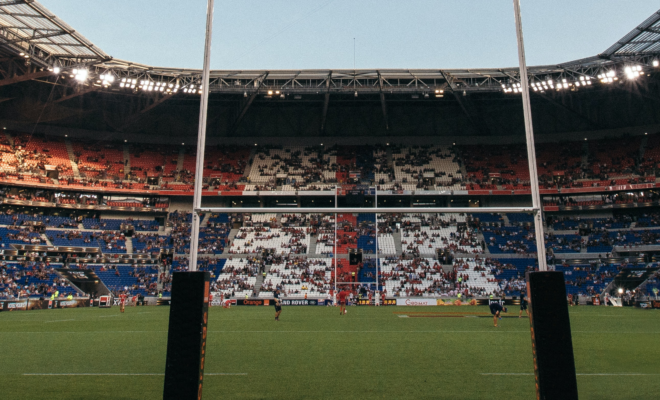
<point>552,346</point>
<point>186,339</point>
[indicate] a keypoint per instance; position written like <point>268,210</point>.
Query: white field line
<point>59,320</point>
<point>602,374</point>
<point>128,374</point>
<point>353,331</point>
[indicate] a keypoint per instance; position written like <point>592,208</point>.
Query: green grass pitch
<point>314,353</point>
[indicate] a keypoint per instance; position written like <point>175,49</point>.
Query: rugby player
<point>523,305</point>
<point>278,305</point>
<point>496,309</point>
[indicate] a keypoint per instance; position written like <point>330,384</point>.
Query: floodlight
<point>620,290</point>
<point>656,63</point>
<point>81,75</point>
<point>56,70</point>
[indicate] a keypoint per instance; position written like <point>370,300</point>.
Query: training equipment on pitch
<point>552,345</point>
<point>186,339</point>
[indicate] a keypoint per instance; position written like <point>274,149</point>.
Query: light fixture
<point>244,94</point>
<point>356,95</point>
<point>656,63</point>
<point>56,70</point>
<point>80,74</point>
<point>633,71</point>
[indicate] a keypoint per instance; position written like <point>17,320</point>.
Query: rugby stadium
<point>406,195</point>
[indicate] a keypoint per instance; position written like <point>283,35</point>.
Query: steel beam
<point>383,104</point>
<point>26,77</point>
<point>74,95</point>
<point>326,101</point>
<point>561,105</point>
<point>43,36</point>
<point>135,117</point>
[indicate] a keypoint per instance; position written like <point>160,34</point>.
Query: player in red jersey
<point>122,301</point>
<point>342,301</point>
<point>371,296</point>
<point>134,300</point>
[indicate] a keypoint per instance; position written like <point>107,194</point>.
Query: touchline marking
<point>108,316</point>
<point>59,320</point>
<point>493,330</point>
<point>84,332</point>
<point>603,374</point>
<point>482,331</point>
<point>126,374</point>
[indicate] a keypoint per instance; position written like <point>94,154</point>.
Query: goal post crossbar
<point>373,210</point>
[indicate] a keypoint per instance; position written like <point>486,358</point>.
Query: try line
<point>126,374</point>
<point>603,374</point>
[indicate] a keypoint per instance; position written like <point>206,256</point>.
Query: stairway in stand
<point>259,282</point>
<point>72,158</point>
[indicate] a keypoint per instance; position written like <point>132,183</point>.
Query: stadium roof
<point>643,39</point>
<point>80,86</point>
<point>28,28</point>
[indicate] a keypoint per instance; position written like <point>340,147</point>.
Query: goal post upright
<point>529,135</point>
<point>201,140</point>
